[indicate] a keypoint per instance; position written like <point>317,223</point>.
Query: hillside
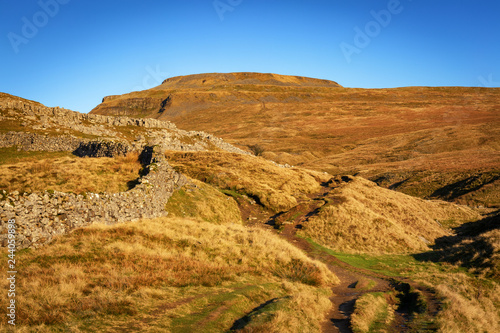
<point>431,142</point>
<point>126,223</point>
<point>349,214</point>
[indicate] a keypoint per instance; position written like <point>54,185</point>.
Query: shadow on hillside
<point>268,307</point>
<point>466,247</point>
<point>464,186</point>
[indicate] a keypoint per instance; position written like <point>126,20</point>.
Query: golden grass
<point>372,313</point>
<point>292,314</point>
<point>486,253</point>
<point>204,202</point>
<point>274,187</point>
<point>376,220</point>
<point>142,275</point>
<point>65,174</point>
<point>471,304</point>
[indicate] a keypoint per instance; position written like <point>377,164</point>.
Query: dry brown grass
<point>274,187</point>
<point>110,277</point>
<point>372,313</point>
<point>471,304</point>
<point>70,174</point>
<point>376,220</point>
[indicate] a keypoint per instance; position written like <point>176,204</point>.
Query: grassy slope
<point>276,188</point>
<point>169,274</point>
<point>372,219</point>
<point>357,209</point>
<point>353,216</point>
<point>217,277</point>
<point>202,201</point>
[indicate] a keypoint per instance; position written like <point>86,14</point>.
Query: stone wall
<point>98,148</point>
<point>41,216</point>
<point>38,142</point>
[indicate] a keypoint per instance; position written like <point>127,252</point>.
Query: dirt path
<point>352,285</point>
<point>354,281</point>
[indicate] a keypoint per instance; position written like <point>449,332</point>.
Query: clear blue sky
<point>76,53</point>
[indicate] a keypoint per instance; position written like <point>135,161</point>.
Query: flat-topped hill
<point>432,142</point>
<point>268,79</point>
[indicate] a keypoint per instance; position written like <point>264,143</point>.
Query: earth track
<point>346,292</point>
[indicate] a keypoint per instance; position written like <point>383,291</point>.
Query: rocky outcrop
<point>41,216</point>
<point>40,117</point>
<point>102,149</point>
<point>58,129</point>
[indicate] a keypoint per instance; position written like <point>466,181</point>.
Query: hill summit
<point>268,79</point>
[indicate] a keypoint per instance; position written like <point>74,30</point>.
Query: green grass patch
<point>365,284</point>
<point>390,265</point>
<point>231,193</point>
<point>11,155</point>
<point>203,201</point>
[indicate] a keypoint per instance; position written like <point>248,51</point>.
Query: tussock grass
<point>65,174</point>
<point>481,254</point>
<point>274,187</point>
<point>376,220</point>
<point>147,273</point>
<point>289,314</point>
<point>372,313</point>
<point>474,245</point>
<point>471,305</point>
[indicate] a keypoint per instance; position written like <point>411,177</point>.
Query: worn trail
<point>354,281</point>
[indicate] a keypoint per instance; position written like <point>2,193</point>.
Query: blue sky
<point>71,53</point>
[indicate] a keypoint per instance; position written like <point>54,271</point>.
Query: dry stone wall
<point>41,216</point>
